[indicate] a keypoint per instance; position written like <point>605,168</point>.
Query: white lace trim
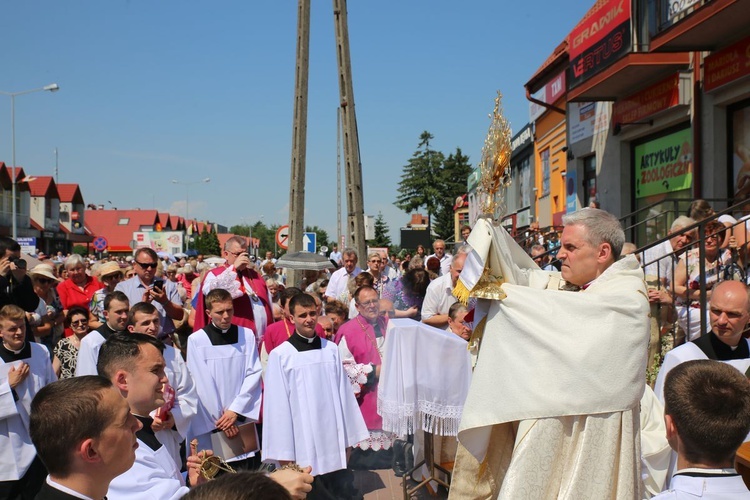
<point>227,281</point>
<point>357,374</point>
<point>403,419</point>
<point>378,440</point>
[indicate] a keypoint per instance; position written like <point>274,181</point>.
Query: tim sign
<point>599,40</point>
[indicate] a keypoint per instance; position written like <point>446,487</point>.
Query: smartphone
<point>159,284</point>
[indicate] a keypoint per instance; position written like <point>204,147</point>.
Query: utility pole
<point>299,136</point>
<point>355,222</point>
<point>338,176</point>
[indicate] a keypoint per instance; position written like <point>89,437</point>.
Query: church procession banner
<point>664,165</point>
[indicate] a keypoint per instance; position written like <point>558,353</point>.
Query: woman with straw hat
<point>110,275</point>
<point>44,281</point>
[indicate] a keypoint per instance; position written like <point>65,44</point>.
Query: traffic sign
<point>309,241</point>
<point>100,243</point>
<point>282,236</point>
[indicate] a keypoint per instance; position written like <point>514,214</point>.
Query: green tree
<point>418,187</point>
<point>452,180</point>
<point>381,233</point>
<point>211,244</point>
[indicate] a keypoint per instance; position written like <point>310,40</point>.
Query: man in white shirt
<point>657,261</point>
<point>439,296</point>
<point>116,306</point>
<point>340,279</point>
<point>336,255</point>
<point>445,259</point>
<point>707,415</point>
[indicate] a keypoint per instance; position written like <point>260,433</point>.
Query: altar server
<point>171,421</point>
<point>223,359</point>
<point>310,412</point>
<point>116,305</point>
<point>25,368</point>
<point>134,364</point>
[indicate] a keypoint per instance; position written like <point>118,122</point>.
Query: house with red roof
<point>23,199</point>
<point>44,212</point>
<point>118,226</point>
<point>72,209</point>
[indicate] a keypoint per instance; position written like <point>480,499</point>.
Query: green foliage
<point>417,187</point>
<point>381,233</point>
<point>266,235</point>
<point>433,182</point>
<point>455,170</point>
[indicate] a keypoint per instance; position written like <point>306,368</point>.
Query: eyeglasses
<point>80,322</point>
<point>369,303</point>
<point>376,261</point>
<point>713,236</point>
<point>144,265</point>
<point>44,281</point>
<point>329,329</point>
<point>236,254</point>
<point>115,276</point>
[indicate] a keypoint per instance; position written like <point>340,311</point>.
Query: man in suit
<point>85,435</point>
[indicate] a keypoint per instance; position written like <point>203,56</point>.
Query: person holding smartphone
<point>145,286</point>
<point>15,286</point>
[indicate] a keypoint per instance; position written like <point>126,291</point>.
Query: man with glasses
<point>144,288</point>
<point>361,341</point>
<point>445,258</point>
<point>252,302</point>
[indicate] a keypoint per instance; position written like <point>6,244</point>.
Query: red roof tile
<point>545,71</point>
<point>70,193</point>
<point>43,186</point>
<point>164,219</point>
<point>107,223</point>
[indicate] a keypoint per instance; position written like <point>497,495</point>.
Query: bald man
<point>729,313</point>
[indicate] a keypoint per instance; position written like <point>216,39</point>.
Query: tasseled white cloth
<point>227,281</point>
<point>424,379</point>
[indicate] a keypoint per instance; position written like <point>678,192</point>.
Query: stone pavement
<point>384,485</point>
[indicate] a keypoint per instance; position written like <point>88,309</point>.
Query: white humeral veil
<point>553,408</point>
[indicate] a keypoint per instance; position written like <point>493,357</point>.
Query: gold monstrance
<point>494,167</point>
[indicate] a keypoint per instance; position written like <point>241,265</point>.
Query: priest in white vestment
<point>553,410</point>
<point>310,413</point>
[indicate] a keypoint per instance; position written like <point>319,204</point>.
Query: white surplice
<point>88,353</point>
<point>185,405</point>
<point>16,449</point>
<point>227,377</point>
<point>310,413</point>
<point>153,476</point>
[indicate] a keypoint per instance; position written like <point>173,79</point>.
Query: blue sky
<point>158,90</point>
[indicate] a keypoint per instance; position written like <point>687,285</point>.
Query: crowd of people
<point>162,372</point>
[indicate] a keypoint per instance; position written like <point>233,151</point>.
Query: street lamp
<point>52,87</point>
<point>187,197</point>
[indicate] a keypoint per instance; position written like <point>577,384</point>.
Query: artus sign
<point>599,40</point>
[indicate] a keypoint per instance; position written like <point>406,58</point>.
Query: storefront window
<point>589,180</point>
<point>739,152</point>
<point>544,156</point>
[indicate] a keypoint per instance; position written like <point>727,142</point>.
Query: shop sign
<point>677,7</point>
<point>649,101</point>
<point>664,165</point>
<point>600,40</point>
<point>521,140</point>
<point>550,93</point>
<point>164,241</point>
<point>727,65</point>
<point>28,244</point>
<point>586,119</point>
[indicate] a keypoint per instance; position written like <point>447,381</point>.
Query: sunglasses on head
<point>144,265</point>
